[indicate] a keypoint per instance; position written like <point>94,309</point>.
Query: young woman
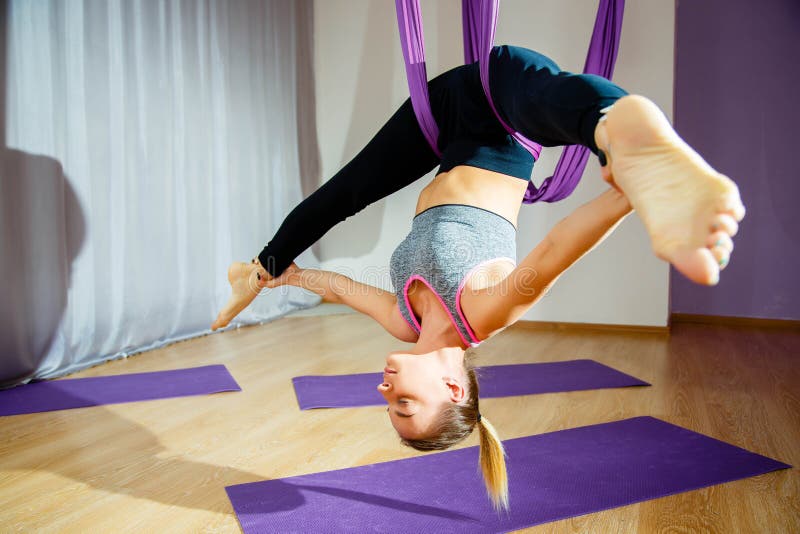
<point>455,275</point>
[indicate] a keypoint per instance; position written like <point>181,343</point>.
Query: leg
<point>546,104</point>
<point>397,156</point>
<point>683,202</point>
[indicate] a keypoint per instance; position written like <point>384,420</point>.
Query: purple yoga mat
<point>343,391</point>
<point>81,392</point>
<point>551,476</point>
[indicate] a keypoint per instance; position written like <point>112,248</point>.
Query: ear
<point>457,391</point>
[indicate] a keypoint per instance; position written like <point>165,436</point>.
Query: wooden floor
<point>161,466</point>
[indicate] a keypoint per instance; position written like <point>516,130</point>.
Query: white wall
<point>360,81</point>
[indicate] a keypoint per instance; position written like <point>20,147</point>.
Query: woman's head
<point>419,388</point>
<point>433,405</point>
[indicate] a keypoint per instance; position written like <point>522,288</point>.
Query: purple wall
<point>737,101</point>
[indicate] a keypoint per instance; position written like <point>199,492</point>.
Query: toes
<point>721,256</point>
<point>725,223</point>
<point>721,245</point>
<point>720,240</point>
<point>697,264</point>
<point>731,203</point>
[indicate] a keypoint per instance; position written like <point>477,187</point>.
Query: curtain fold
<point>147,144</point>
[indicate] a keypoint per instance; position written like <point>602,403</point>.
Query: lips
<point>388,374</point>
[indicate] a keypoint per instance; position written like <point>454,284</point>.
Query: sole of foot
<point>683,202</point>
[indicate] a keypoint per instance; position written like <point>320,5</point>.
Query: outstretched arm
<point>336,288</point>
<point>397,156</point>
<point>565,244</point>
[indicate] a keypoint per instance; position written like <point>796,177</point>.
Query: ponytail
<point>493,465</point>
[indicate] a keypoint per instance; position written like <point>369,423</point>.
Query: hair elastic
<point>479,417</point>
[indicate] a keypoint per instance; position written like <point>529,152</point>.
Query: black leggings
<point>532,94</point>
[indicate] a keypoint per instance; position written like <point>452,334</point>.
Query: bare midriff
<point>492,191</point>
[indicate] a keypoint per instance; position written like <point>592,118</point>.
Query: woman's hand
<point>289,277</point>
<point>619,201</point>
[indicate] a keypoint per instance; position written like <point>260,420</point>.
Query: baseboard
<point>551,325</point>
<point>721,320</point>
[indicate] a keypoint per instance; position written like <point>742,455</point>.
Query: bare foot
<point>247,280</point>
<point>689,209</point>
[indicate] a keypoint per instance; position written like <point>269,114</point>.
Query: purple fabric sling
<point>94,391</point>
<point>345,391</point>
<point>412,41</point>
<point>551,476</point>
<point>479,21</point>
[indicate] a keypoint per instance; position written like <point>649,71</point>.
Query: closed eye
<point>405,403</point>
<point>400,414</point>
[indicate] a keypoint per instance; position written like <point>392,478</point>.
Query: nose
<point>385,387</point>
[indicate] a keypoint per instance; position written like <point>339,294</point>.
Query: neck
<point>437,331</point>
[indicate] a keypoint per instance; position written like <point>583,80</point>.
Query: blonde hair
<point>456,422</point>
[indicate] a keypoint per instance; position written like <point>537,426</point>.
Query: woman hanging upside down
<point>456,278</point>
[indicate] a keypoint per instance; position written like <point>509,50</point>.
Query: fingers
<point>282,280</point>
<point>257,280</point>
<point>273,283</point>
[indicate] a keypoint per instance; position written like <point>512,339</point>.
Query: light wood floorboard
<point>161,466</point>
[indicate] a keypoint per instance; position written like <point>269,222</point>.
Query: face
<point>418,387</point>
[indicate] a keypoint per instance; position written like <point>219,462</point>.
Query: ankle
<point>635,121</point>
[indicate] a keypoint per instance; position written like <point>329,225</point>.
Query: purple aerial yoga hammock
<point>412,40</point>
<point>479,20</point>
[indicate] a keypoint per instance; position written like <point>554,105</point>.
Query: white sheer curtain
<point>147,144</point>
